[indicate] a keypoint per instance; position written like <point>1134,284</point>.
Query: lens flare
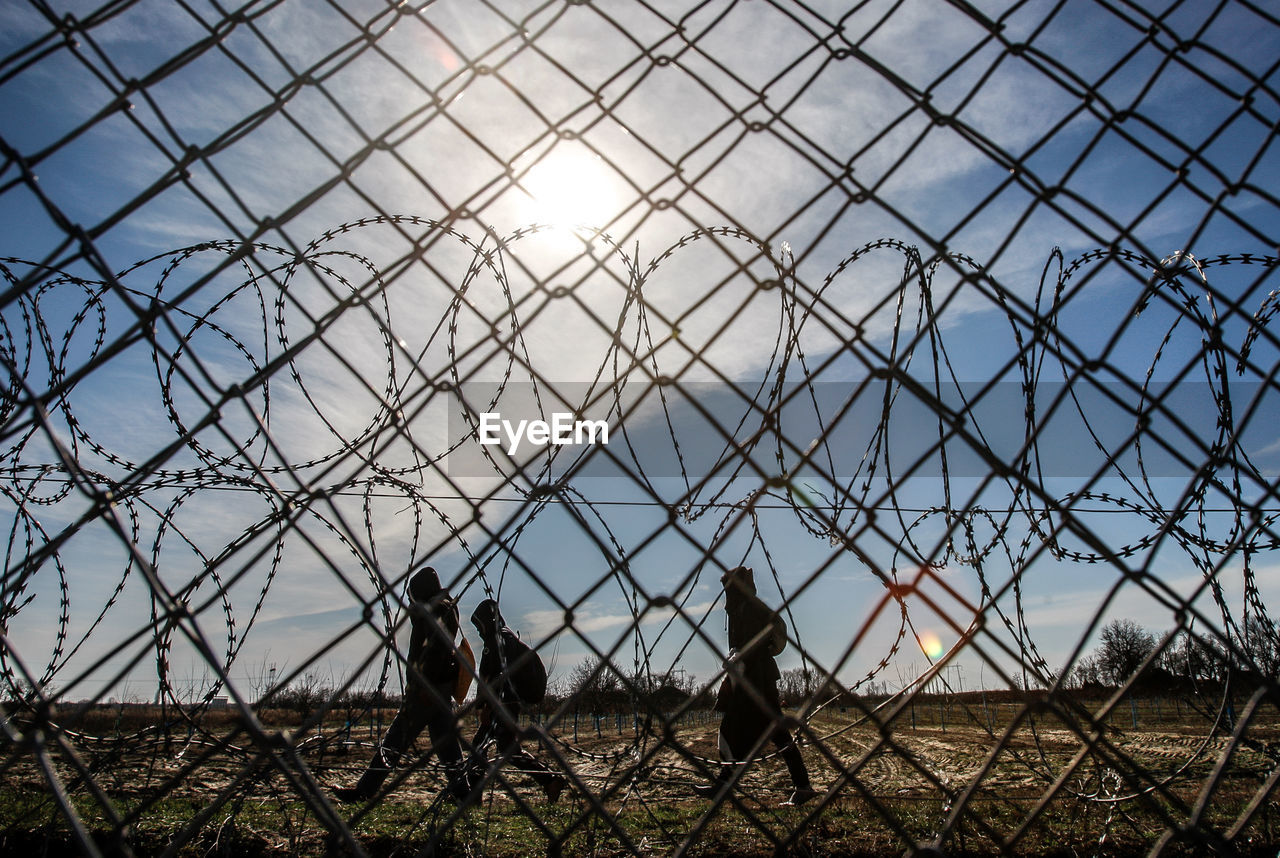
<point>930,644</point>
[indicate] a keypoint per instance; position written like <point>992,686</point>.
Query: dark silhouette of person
<point>435,678</point>
<point>505,664</point>
<point>748,696</point>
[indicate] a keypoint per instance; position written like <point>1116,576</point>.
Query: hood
<point>424,585</point>
<point>739,578</point>
<point>487,618</point>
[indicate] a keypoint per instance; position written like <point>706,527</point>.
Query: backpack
<point>526,674</point>
<point>465,673</point>
<point>436,657</point>
<point>752,624</point>
<point>777,640</point>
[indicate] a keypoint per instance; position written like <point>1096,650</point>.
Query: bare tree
<point>679,679</point>
<point>305,694</point>
<point>594,685</point>
<point>1087,672</point>
<point>1261,645</point>
<point>797,685</point>
<point>261,680</point>
<point>1195,659</point>
<point>1125,645</point>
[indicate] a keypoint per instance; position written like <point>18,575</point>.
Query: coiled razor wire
<point>154,495</point>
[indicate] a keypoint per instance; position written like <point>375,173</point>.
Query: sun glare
<point>571,189</point>
<point>930,644</point>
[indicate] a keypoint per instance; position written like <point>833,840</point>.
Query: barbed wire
<point>639,757</point>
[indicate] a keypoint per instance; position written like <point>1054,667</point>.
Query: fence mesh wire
<point>950,320</point>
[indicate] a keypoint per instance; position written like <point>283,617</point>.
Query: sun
<point>569,189</point>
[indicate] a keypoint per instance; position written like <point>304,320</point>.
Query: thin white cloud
<point>543,623</point>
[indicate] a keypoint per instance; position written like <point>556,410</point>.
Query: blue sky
<point>1001,135</point>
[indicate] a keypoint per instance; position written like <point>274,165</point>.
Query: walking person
<point>435,679</point>
<point>748,697</point>
<point>514,676</point>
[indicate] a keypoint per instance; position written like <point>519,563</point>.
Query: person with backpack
<point>436,677</point>
<point>513,676</point>
<point>748,696</point>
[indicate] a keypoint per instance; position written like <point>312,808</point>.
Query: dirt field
<point>1039,789</point>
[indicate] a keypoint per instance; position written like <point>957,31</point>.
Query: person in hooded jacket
<point>748,697</point>
<point>436,678</point>
<point>504,665</point>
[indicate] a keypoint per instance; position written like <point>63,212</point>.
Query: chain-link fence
<point>950,321</point>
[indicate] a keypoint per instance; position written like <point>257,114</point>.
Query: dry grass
<point>1043,793</point>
